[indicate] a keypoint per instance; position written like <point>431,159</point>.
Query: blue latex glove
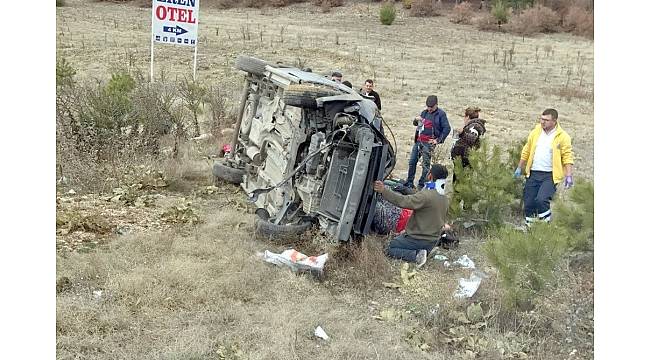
<point>568,181</point>
<point>517,173</point>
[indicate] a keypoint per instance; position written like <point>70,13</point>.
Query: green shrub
<point>64,72</point>
<point>193,95</point>
<point>500,11</point>
<point>577,216</point>
<point>525,260</point>
<point>60,3</point>
<point>519,4</point>
<point>486,190</point>
<point>387,13</point>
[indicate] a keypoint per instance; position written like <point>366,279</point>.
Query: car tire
<point>224,172</point>
<point>251,65</point>
<point>268,230</point>
<point>304,96</point>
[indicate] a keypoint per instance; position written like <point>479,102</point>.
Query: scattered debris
<point>405,274</point>
<point>391,285</point>
<point>468,224</point>
<point>203,137</point>
<point>209,190</point>
<point>183,213</point>
<point>434,310</point>
<point>319,332</point>
<point>97,294</point>
<point>131,196</point>
<point>72,192</point>
<point>70,221</point>
<point>297,261</point>
<point>152,179</point>
<point>389,314</point>
<point>440,257</point>
<point>464,262</point>
<point>467,287</point>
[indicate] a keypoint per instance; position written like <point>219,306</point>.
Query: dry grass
<point>462,13</point>
<point>538,19</point>
<point>178,296</point>
<point>424,8</point>
<point>579,21</point>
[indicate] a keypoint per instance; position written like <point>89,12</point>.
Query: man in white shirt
<point>546,159</point>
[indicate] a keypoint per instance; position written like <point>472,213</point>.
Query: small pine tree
<point>64,72</point>
<point>500,11</point>
<point>387,13</point>
<point>193,95</point>
<point>117,92</point>
<point>486,189</point>
<point>577,216</point>
<point>526,260</point>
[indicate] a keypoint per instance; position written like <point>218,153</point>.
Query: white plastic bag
<point>296,261</point>
<point>464,262</point>
<point>467,287</point>
<point>319,332</point>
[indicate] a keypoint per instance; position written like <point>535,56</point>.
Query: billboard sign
<point>175,21</point>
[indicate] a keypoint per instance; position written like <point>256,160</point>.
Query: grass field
<point>199,291</point>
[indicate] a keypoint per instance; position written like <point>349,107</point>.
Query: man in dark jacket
<point>368,90</point>
<point>432,129</point>
<point>427,221</point>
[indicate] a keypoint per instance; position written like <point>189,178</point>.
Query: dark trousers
<point>538,192</point>
<point>423,149</point>
<point>405,247</point>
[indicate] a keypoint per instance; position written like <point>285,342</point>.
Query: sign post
<point>175,22</point>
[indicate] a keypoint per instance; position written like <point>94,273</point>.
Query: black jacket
<point>374,94</point>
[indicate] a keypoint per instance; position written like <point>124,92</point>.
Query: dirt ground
<point>154,288</point>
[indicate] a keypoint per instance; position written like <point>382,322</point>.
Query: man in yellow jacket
<point>546,160</point>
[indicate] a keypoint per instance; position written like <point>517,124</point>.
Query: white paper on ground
<point>467,287</point>
<point>295,260</point>
<point>319,332</point>
<point>464,262</point>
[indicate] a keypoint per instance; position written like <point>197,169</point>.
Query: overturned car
<point>306,150</point>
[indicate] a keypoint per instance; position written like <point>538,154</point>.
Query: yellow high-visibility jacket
<point>562,151</point>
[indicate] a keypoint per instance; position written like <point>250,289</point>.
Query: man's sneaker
<point>420,258</point>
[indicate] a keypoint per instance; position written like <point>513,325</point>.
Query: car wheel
<point>266,229</point>
<point>304,96</point>
<point>224,172</point>
<point>251,65</point>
